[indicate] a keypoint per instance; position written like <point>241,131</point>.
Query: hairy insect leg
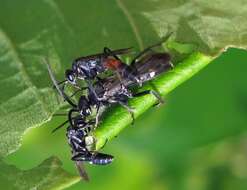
<point>154,93</point>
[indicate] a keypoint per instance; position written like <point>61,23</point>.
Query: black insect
<point>76,138</point>
<point>88,67</point>
<point>76,135</point>
<point>115,89</point>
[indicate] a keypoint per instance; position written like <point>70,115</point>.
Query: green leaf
<point>206,110</point>
<point>211,25</point>
<point>48,176</point>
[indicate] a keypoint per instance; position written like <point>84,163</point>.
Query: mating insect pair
<point>103,92</point>
<point>114,89</point>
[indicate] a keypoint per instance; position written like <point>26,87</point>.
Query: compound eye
<point>70,76</point>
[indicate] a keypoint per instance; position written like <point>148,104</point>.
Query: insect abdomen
<point>101,159</point>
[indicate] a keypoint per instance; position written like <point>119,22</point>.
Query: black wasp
<point>76,135</point>
<point>89,67</point>
<point>115,89</point>
<point>112,90</point>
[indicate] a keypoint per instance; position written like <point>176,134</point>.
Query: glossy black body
<point>89,67</point>
<point>103,92</point>
<point>76,138</point>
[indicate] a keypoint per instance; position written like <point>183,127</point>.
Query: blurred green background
<point>197,140</point>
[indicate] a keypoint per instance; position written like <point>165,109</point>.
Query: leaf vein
<point>23,71</point>
<point>131,22</point>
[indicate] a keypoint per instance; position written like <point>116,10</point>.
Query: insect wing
<point>154,64</point>
<point>147,68</point>
<point>81,170</point>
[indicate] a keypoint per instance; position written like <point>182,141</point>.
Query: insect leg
<point>79,90</point>
<point>70,118</point>
<point>154,93</point>
<point>109,52</point>
<point>150,48</point>
<point>129,109</point>
<point>60,126</point>
<point>59,83</point>
<point>104,143</point>
<point>116,52</point>
<point>97,116</point>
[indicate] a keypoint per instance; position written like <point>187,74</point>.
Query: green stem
<point>118,118</point>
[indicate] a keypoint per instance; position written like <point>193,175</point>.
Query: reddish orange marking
<point>112,63</point>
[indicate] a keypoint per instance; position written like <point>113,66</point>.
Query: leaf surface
<point>47,176</point>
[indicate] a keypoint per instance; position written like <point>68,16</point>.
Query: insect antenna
<point>59,83</point>
<point>61,92</point>
<point>150,48</point>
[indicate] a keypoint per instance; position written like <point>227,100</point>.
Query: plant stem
<point>118,118</point>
